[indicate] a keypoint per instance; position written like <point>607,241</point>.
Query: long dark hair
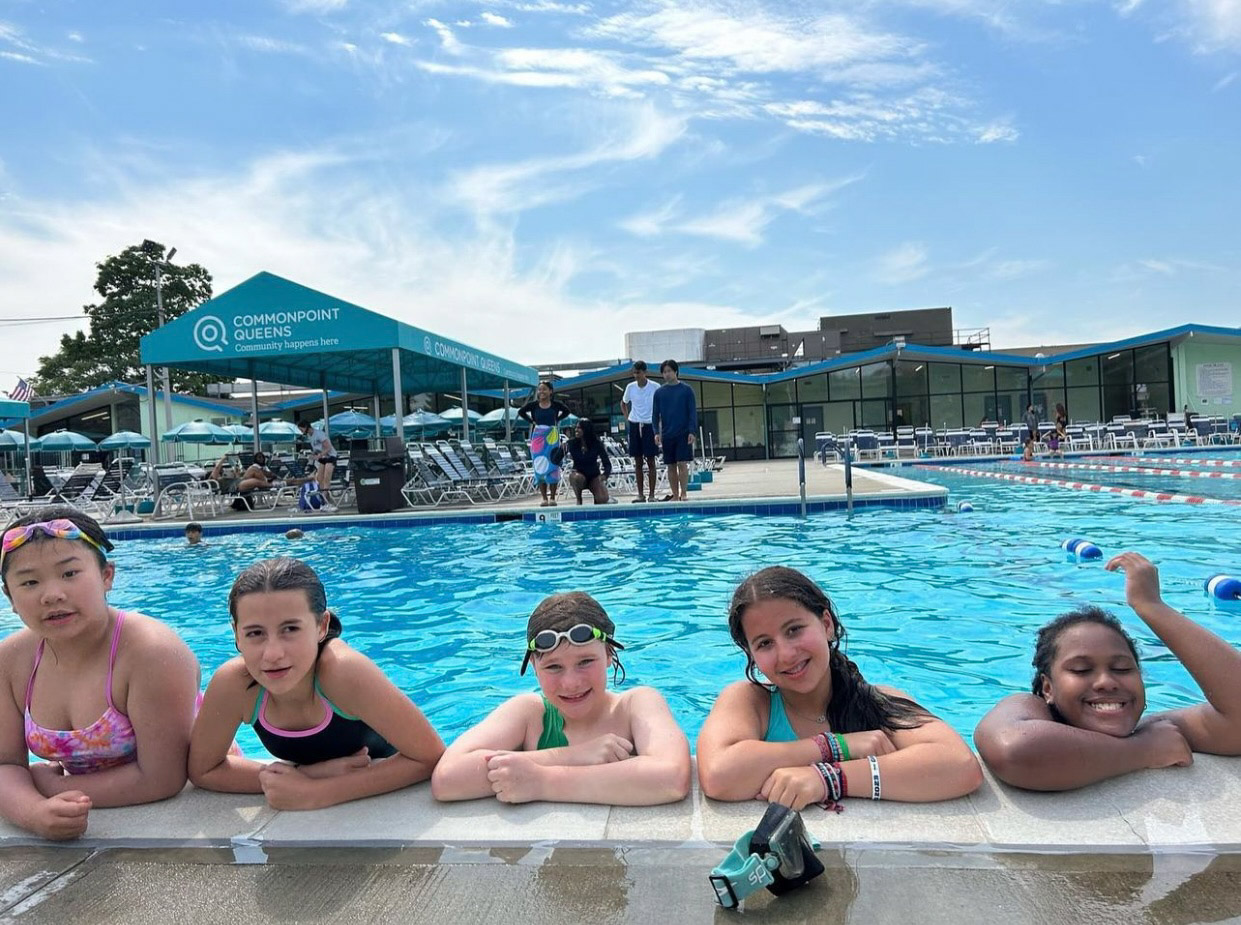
<point>84,522</point>
<point>285,574</point>
<point>590,439</point>
<point>1049,640</point>
<point>856,706</point>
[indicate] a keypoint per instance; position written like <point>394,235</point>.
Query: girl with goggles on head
<point>575,741</point>
<point>104,696</point>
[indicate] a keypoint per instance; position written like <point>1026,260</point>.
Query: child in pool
<point>1082,721</point>
<point>340,729</point>
<point>576,742</point>
<point>818,731</point>
<point>104,696</point>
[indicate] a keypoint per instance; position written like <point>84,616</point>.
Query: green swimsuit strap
<point>553,728</point>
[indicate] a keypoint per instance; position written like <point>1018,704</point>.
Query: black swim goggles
<point>579,635</point>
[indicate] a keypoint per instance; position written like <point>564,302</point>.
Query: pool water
<point>1224,484</point>
<point>940,604</point>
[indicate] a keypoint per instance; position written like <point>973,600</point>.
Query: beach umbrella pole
<point>29,484</point>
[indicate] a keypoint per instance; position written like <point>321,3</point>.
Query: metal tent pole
<point>254,409</point>
<point>508,418</point>
<point>151,416</point>
<point>465,409</point>
<point>398,395</point>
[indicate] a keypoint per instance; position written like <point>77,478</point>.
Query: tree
<point>111,351</point>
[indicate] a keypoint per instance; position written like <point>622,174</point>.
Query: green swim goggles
<point>579,635</point>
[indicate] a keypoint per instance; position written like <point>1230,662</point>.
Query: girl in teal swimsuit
<point>340,729</point>
<point>818,731</point>
<point>576,741</point>
<point>104,696</point>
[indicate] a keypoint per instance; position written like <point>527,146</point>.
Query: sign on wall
<point>1214,383</point>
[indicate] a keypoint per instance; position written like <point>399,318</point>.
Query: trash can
<point>378,477</point>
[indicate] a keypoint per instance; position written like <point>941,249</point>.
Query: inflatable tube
<point>965,507</point>
<point>1223,587</point>
<point>1082,549</point>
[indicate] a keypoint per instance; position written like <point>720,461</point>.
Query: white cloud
<point>507,188</point>
<point>75,37</point>
<point>1225,81</point>
<point>544,6</point>
<point>1162,267</point>
<point>997,132</point>
<point>495,19</point>
<point>653,222</point>
<point>396,38</point>
<point>925,114</point>
<point>26,51</point>
<point>319,220</point>
<point>18,56</point>
<point>1015,269</point>
<point>448,41</point>
<point>1214,24</point>
<point>554,67</point>
<point>902,264</point>
<point>267,45</point>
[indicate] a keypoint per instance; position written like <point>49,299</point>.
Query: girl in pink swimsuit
<point>105,697</point>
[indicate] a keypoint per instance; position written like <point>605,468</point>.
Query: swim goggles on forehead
<point>578,635</point>
<point>61,528</point>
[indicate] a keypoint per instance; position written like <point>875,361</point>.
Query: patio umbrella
<point>11,440</point>
<point>66,440</point>
<point>125,440</point>
<point>454,414</point>
<point>419,422</point>
<point>197,432</point>
<point>496,419</point>
<point>350,424</point>
<point>241,433</point>
<point>279,432</point>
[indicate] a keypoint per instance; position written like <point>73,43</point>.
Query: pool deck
<point>756,487</point>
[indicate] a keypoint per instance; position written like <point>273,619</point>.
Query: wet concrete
<point>605,885</point>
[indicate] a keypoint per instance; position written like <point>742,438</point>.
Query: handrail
<point>801,471</point>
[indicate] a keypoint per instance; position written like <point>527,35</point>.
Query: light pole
<point>159,306</point>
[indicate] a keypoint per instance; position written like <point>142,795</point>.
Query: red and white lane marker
<point>1187,461</point>
<point>1145,470</point>
<point>1084,486</point>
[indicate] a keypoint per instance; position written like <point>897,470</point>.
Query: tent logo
<point>210,333</point>
<point>426,345</point>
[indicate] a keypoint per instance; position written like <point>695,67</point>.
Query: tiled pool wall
<point>932,499</point>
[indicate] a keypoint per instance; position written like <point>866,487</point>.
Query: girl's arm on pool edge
<point>211,767</point>
<point>658,772</point>
<point>359,687</point>
<point>163,685</point>
<point>1025,747</point>
<point>1214,726</point>
<point>733,760</point>
<point>462,772</point>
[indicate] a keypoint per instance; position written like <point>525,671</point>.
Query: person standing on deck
<point>637,406</point>
<point>675,418</point>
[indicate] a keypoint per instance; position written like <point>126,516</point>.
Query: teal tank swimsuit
<point>779,729</point>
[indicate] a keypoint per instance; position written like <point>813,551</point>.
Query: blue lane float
<point>1223,587</point>
<point>1081,549</point>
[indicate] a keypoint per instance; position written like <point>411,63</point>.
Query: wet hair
<point>670,364</point>
<point>285,574</point>
<point>856,705</point>
<point>84,522</point>
<point>193,527</point>
<point>562,611</point>
<point>639,366</point>
<point>590,439</point>
<point>1049,639</point>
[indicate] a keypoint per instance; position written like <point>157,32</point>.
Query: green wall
<point>1186,357</point>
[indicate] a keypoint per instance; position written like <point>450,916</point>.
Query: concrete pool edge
<point>1132,814</point>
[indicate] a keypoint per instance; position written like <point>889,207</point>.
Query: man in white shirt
<point>636,404</point>
<point>325,460</point>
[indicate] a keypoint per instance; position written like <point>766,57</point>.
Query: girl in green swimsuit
<point>818,732</point>
<point>575,741</point>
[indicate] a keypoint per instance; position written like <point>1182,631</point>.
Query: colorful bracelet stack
<point>832,747</point>
<point>835,785</point>
<point>876,786</point>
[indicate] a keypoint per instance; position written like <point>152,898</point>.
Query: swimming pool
<point>943,605</point>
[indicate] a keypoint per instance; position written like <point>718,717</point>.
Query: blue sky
<point>537,177</point>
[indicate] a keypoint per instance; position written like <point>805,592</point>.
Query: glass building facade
<point>757,417</point>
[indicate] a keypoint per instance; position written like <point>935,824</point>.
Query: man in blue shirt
<point>674,414</point>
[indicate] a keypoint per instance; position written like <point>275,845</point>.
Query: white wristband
<point>876,786</point>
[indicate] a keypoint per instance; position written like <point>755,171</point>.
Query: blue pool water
<point>942,605</point>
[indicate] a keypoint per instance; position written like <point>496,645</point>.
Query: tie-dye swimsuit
<point>108,742</point>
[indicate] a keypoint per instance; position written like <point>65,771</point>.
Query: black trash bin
<point>378,477</point>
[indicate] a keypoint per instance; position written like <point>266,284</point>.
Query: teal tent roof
<point>276,330</point>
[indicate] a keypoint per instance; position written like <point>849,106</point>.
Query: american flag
<point>22,391</point>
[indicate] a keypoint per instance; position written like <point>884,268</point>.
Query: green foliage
<point>128,310</point>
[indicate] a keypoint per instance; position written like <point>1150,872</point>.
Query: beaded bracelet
<point>842,746</point>
<point>876,786</point>
<point>826,752</point>
<point>833,786</point>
